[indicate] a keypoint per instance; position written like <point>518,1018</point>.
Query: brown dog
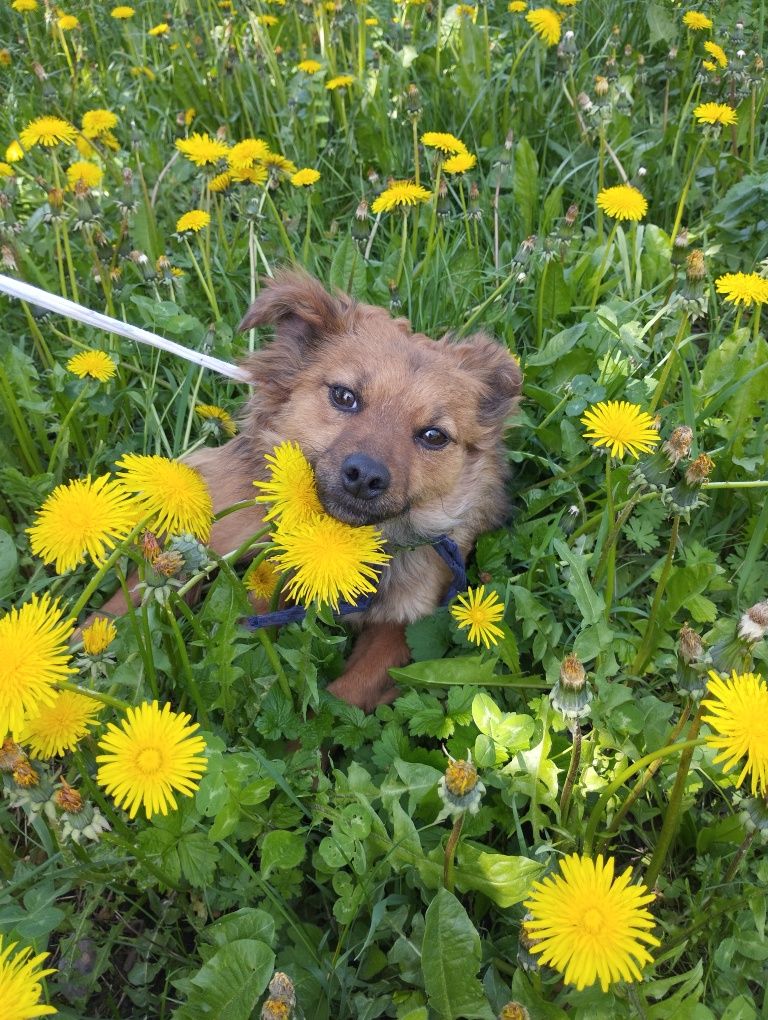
<point>402,432</point>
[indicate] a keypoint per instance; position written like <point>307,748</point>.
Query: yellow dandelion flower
<point>446,143</point>
<point>98,636</point>
<point>481,614</point>
<point>267,20</point>
<point>84,173</point>
<point>151,756</point>
<point>34,655</point>
<point>589,926</point>
<point>567,3</point>
<point>98,122</point>
<point>290,488</point>
<point>546,23</point>
<point>94,364</point>
<point>276,161</point>
<point>250,175</point>
<point>201,149</point>
<point>715,113</point>
<point>309,66</point>
<point>220,182</point>
<point>329,560</point>
<point>717,52</point>
<point>399,195</point>
<point>739,719</point>
<point>48,131</point>
<point>6,170</point>
<point>162,29</point>
<point>82,517</point>
<point>60,726</point>
<point>146,71</point>
<point>696,21</point>
<point>623,202</point>
<point>122,13</point>
<point>218,417</point>
<point>174,493</point>
<point>305,177</point>
<point>24,6</point>
<point>371,22</point>
<point>20,982</point>
<point>708,65</point>
<point>244,154</point>
<point>517,6</point>
<point>466,11</point>
<point>14,152</point>
<point>460,163</point>
<point>195,220</point>
<point>619,426</point>
<point>85,148</point>
<point>262,580</point>
<point>743,288</point>
<point>341,81</point>
<point>67,22</point>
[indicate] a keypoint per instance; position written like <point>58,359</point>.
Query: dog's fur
<point>405,383</point>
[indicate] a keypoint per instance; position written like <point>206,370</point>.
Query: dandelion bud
<point>39,71</point>
<point>514,1011</point>
<point>695,268</point>
<point>759,64</point>
<point>699,470</point>
<point>521,278</point>
<point>168,563</point>
<point>8,258</point>
<point>281,987</point>
<point>56,198</point>
<point>672,55</point>
<point>275,1009</point>
<point>460,789</point>
<point>68,799</point>
<point>753,625</point>
<point>25,774</point>
<point>679,444</point>
<point>571,214</point>
<point>373,177</point>
<point>509,141</point>
<point>601,85</point>
<point>99,636</point>
<point>754,817</point>
<point>5,58</point>
<point>525,943</point>
<point>691,676</point>
<point>571,696</point>
<point>361,213</point>
<point>194,554</point>
<point>681,239</point>
<point>11,755</point>
<point>689,644</point>
<point>585,103</point>
<point>413,102</point>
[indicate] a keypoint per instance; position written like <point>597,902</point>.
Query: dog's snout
<point>364,477</point>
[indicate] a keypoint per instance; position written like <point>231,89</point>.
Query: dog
<point>402,432</point>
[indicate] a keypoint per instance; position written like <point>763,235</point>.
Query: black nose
<point>364,477</point>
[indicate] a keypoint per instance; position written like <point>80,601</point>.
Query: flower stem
<point>610,579</point>
<point>610,542</point>
<point>105,699</point>
<point>603,264</point>
<point>101,573</point>
<point>565,797</point>
<point>274,659</point>
<point>672,815</point>
<point>684,192</point>
<point>188,675</point>
<point>450,851</point>
<point>661,386</point>
<point>403,247</point>
<point>416,161</point>
<point>646,644</point>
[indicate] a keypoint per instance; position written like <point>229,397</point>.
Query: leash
<point>444,546</point>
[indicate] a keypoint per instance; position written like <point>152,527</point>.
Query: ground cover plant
<point>564,813</point>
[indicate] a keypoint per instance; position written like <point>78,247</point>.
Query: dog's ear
<point>299,307</point>
<point>497,372</point>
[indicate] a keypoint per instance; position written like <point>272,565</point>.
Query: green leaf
<point>450,961</point>
<point>447,672</point>
<point>526,186</point>
<point>591,605</point>
<point>505,880</point>
<point>559,345</point>
<point>281,849</point>
<point>229,984</point>
<point>508,730</point>
<point>197,858</point>
<point>247,923</point>
<point>348,268</point>
<point>8,560</point>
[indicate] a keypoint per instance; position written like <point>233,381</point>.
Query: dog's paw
<point>363,693</point>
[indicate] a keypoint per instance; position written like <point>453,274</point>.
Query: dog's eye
<point>433,438</point>
<point>344,399</point>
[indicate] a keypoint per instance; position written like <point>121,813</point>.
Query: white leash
<point>62,306</point>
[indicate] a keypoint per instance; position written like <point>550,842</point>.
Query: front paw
<point>362,692</point>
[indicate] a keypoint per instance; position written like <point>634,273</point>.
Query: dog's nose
<point>364,477</point>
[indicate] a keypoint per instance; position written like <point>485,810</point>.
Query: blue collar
<point>445,547</point>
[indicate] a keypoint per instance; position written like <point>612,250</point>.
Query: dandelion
<point>122,13</point>
<point>623,202</point>
<point>162,29</point>
<point>517,6</point>
<point>67,22</point>
<point>195,220</point>
<point>262,580</point>
<point>460,163</point>
<point>696,21</point>
<point>546,23</point>
<point>201,149</point>
<point>480,613</point>
<point>24,6</point>
<point>309,66</point>
<point>6,170</point>
<point>341,81</point>
<point>715,113</point>
<point>305,177</point>
<point>619,426</point>
<point>290,488</point>
<point>447,144</point>
<point>94,364</point>
<point>217,417</point>
<point>98,122</point>
<point>276,161</point>
<point>717,52</point>
<point>220,182</point>
<point>460,789</point>
<point>83,517</point>
<point>34,655</point>
<point>14,152</point>
<point>742,288</point>
<point>250,175</point>
<point>149,757</point>
<point>330,560</point>
<point>47,131</point>
<point>85,174</point>
<point>267,20</point>
<point>60,726</point>
<point>588,926</point>
<point>98,636</point>
<point>20,982</point>
<point>400,195</point>
<point>739,719</point>
<point>174,493</point>
<point>371,22</point>
<point>467,11</point>
<point>244,154</point>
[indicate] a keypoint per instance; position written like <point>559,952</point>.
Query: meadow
<point>564,813</point>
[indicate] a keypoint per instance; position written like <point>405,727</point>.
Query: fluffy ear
<point>299,308</point>
<point>497,372</point>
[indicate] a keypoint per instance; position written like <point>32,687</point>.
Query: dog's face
<point>393,423</point>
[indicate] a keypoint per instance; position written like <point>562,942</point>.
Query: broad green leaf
<point>591,605</point>
<point>229,984</point>
<point>505,880</point>
<point>507,729</point>
<point>8,561</point>
<point>246,923</point>
<point>281,849</point>
<point>450,961</point>
<point>197,858</point>
<point>348,268</point>
<point>526,186</point>
<point>447,672</point>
